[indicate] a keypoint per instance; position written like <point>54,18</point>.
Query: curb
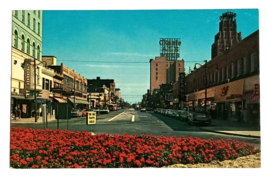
<point>243,135</point>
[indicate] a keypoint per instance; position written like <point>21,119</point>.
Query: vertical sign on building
<point>182,87</point>
<point>256,92</point>
<point>170,48</point>
<point>27,74</point>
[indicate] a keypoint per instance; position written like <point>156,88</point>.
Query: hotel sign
<point>27,74</point>
<point>182,87</point>
<point>170,48</point>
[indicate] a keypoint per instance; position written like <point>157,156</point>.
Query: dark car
<point>199,118</point>
<point>143,110</point>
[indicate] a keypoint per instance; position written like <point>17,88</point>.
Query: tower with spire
<point>227,35</point>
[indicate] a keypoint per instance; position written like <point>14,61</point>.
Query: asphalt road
<point>136,122</point>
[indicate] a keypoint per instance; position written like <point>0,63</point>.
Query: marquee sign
<point>27,74</point>
<point>170,48</point>
<point>182,87</point>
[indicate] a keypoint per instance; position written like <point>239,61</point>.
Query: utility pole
<point>74,93</point>
<point>206,65</point>
<point>35,107</point>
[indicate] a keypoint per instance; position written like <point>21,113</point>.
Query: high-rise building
<point>227,35</point>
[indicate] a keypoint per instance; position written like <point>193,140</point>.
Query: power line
<point>124,62</point>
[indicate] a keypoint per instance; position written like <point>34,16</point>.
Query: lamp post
<point>205,83</point>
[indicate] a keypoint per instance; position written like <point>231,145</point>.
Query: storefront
<point>252,98</point>
<point>229,100</point>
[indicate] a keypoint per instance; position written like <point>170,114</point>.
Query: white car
<point>143,110</point>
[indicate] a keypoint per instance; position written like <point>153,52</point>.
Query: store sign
<point>169,48</point>
<point>182,87</point>
<point>224,90</point>
<point>256,92</point>
<point>27,74</point>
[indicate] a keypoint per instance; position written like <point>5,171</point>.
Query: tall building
<point>158,70</point>
<point>26,44</point>
<point>173,71</point>
<point>227,35</point>
<point>164,71</point>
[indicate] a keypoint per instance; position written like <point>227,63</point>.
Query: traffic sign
<point>91,118</point>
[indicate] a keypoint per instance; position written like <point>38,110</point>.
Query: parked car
<point>84,112</point>
<point>199,118</point>
<point>149,109</point>
<point>143,110</point>
<point>184,116</point>
<point>178,114</point>
<point>76,113</point>
<point>169,112</point>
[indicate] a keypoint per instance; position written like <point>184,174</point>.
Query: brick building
<point>232,80</point>
<point>164,71</point>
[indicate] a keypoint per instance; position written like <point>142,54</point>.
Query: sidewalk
<point>32,119</point>
<point>233,128</point>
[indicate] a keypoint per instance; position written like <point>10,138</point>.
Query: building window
<point>33,49</point>
<point>210,78</point>
<point>46,84</point>
<point>43,84</point>
<point>28,46</point>
<point>38,28</point>
<point>22,43</point>
<point>156,78</point>
<point>38,75</point>
<point>239,67</point>
<point>16,40</point>
<point>252,62</point>
<point>50,86</point>
<point>34,24</point>
<point>223,73</point>
<point>219,78</point>
<point>233,73</point>
<point>166,65</point>
<point>29,20</point>
<point>23,16</point>
<point>228,72</point>
<point>16,13</point>
<point>156,64</point>
<point>39,13</point>
<point>38,53</point>
<point>214,81</point>
<point>156,69</point>
<point>156,73</point>
<point>34,11</point>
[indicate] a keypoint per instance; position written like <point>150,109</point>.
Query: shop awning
<point>17,97</point>
<point>60,100</point>
<point>78,101</point>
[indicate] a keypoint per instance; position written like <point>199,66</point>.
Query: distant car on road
<point>76,113</point>
<point>143,110</point>
<point>199,118</point>
<point>131,109</point>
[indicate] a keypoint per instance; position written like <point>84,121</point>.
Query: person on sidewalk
<point>16,113</point>
<point>19,113</point>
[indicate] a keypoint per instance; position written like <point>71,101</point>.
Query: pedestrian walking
<point>19,113</point>
<point>16,113</point>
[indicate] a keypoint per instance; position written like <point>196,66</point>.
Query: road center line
<point>115,116</point>
<point>132,118</point>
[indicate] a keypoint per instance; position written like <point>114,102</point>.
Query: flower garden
<point>31,148</point>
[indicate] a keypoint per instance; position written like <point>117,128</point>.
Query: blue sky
<point>113,38</point>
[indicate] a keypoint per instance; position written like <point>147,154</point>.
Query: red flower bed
<point>66,149</point>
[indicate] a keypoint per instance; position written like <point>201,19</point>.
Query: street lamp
<point>205,83</point>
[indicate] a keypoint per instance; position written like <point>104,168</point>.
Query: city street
<point>136,122</point>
